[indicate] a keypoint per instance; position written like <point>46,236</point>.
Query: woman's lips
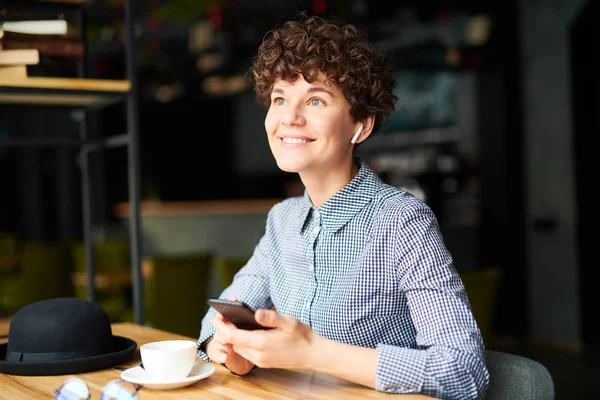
<point>295,141</point>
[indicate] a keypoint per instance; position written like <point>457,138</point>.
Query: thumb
<point>269,318</point>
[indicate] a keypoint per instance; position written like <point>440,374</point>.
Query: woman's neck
<point>322,187</point>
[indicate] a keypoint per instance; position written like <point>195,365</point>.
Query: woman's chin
<point>289,166</point>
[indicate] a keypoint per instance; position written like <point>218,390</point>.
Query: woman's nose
<point>292,116</point>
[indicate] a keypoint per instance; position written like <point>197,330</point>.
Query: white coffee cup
<point>168,360</point>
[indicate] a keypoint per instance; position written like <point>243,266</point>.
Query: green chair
<point>44,272</point>
<point>481,287</point>
<point>176,291</point>
<point>113,273</point>
<point>227,267</point>
<point>8,251</point>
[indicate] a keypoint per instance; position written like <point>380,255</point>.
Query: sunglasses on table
<point>76,389</point>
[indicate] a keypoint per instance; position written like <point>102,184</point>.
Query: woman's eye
<point>278,101</point>
<point>316,102</point>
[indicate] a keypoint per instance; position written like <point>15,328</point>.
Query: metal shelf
<point>84,144</point>
<point>89,93</point>
<point>64,5</point>
<point>63,2</point>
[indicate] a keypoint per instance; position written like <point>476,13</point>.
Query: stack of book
<point>36,43</point>
<point>13,62</point>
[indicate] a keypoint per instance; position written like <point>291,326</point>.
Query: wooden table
<point>260,384</point>
<point>4,325</point>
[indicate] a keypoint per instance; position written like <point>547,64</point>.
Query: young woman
<point>363,286</point>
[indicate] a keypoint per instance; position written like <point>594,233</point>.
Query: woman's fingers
<point>216,351</point>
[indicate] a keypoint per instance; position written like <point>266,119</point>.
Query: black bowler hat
<point>62,336</point>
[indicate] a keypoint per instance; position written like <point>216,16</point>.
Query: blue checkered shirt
<point>369,268</point>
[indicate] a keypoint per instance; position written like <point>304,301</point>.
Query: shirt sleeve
<point>250,285</point>
<point>448,361</point>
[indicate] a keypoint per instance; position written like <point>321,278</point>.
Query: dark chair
<point>515,377</point>
<point>227,267</point>
<point>481,286</point>
<point>113,275</point>
<point>43,273</point>
<point>8,251</point>
<point>176,291</point>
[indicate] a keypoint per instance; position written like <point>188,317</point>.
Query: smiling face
<point>309,128</point>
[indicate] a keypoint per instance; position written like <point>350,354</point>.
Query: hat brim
<point>122,350</point>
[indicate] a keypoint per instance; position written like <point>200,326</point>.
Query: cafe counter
<point>227,227</point>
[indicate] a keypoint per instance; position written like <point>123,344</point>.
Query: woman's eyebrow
<point>316,89</point>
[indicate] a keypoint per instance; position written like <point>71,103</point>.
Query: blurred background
<point>497,109</point>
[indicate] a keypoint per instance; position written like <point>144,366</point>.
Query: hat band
<point>16,356</point>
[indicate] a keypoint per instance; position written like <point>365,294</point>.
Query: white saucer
<point>138,375</point>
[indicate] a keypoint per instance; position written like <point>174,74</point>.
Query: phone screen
<point>237,313</point>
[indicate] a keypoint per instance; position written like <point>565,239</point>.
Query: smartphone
<point>237,313</point>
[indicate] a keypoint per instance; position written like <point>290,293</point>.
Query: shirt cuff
<point>201,348</point>
<point>400,370</point>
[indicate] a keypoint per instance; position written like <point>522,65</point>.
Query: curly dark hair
<point>309,45</point>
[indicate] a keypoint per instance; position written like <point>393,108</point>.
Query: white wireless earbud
<point>357,134</point>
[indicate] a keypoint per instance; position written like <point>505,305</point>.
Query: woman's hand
<point>290,344</point>
<point>222,352</point>
<point>287,345</point>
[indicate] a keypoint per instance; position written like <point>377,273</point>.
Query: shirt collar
<point>346,203</point>
<point>305,210</point>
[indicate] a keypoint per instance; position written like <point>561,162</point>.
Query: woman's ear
<point>365,127</point>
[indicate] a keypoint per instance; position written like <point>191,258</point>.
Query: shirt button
<point>307,305</point>
<point>316,230</point>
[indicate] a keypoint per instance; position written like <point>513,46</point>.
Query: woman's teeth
<point>294,140</point>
